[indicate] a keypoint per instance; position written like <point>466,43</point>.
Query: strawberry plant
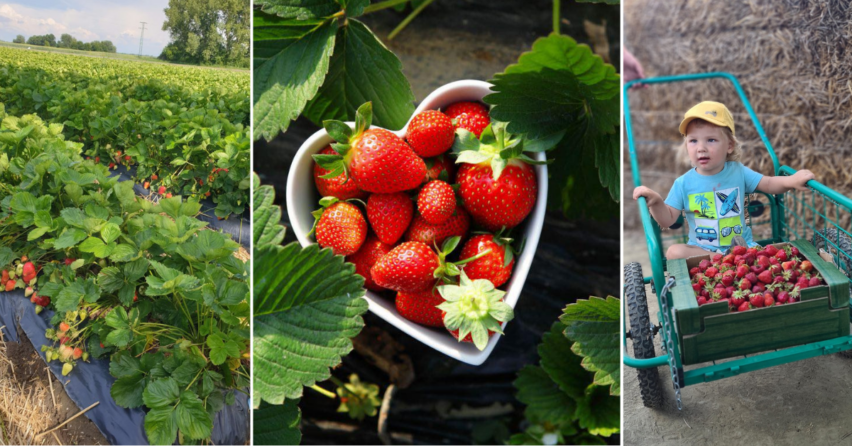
<point>139,282</point>
<point>181,128</point>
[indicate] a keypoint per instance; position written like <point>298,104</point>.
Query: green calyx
<point>474,307</point>
<point>503,239</point>
<point>499,148</point>
<point>324,202</point>
<point>344,137</point>
<point>447,270</point>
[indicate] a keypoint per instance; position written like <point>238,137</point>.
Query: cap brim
<point>685,123</point>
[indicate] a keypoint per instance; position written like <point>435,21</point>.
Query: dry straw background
<point>793,59</point>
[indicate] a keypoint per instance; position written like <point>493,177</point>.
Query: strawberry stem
<point>383,5</point>
<point>408,19</point>
<point>556,16</point>
<point>323,392</point>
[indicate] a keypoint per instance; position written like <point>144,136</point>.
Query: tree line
<point>67,41</point>
<point>208,32</point>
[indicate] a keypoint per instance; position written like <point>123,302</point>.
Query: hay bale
<point>793,59</point>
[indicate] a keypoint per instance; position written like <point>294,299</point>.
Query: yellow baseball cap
<point>712,112</point>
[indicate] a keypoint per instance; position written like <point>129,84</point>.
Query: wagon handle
<point>838,198</point>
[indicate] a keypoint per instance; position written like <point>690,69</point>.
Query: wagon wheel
<point>838,240</point>
<point>642,334</point>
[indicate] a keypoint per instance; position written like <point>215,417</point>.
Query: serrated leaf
<point>265,216</point>
<point>362,70</point>
<point>354,8</point>
<point>69,238</point>
<point>6,256</point>
<point>278,424</point>
<point>286,80</point>
<point>593,325</point>
<point>576,184</point>
<point>307,305</point>
<point>545,401</point>
<point>556,84</point>
<point>599,412</point>
<point>160,426</point>
<point>271,27</point>
<point>561,364</point>
<point>192,420</point>
<point>161,393</point>
<point>299,9</point>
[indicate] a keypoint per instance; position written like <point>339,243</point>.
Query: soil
<point>30,372</point>
<point>798,403</point>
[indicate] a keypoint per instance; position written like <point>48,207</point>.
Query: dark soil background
<point>450,402</point>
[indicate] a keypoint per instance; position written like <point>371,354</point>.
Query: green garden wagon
<point>694,338</point>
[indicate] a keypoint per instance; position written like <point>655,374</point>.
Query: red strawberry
<point>773,260</point>
<point>806,266</point>
<point>696,288</point>
<point>436,202</point>
<point>340,226</point>
<point>694,271</point>
<point>814,281</point>
<point>786,266</point>
<point>742,271</point>
<point>728,278</point>
<point>10,285</point>
<point>474,310</point>
<point>29,272</point>
<point>803,283</point>
<point>497,203</point>
<point>783,297</point>
<point>770,250</point>
<point>430,133</point>
<point>409,268</point>
<point>336,186</point>
<point>781,255</point>
<point>4,276</point>
<point>757,300</point>
<point>763,261</point>
<point>422,231</point>
<point>161,190</point>
<point>703,265</point>
<point>711,272</point>
<point>146,185</point>
<point>471,116</point>
<point>794,251</point>
<point>717,258</point>
<point>728,259</point>
<point>759,287</point>
<point>752,277</point>
<point>739,250</point>
<point>371,251</point>
<point>78,352</point>
<point>738,298</point>
<point>376,159</point>
<point>701,301</point>
<point>422,307</point>
<point>154,177</point>
<point>436,166</point>
<point>389,215</point>
<point>768,300</point>
<point>744,307</point>
<point>745,284</point>
<point>169,195</point>
<point>495,266</point>
<point>63,327</point>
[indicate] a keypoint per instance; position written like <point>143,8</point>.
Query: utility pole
<point>142,35</point>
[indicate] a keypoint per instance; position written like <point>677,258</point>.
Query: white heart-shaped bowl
<point>303,198</point>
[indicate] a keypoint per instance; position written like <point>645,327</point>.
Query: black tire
<point>641,334</point>
<point>843,242</point>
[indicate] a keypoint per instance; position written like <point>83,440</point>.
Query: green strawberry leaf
<point>7,255</point>
<point>599,412</point>
<point>266,215</point>
<point>278,424</point>
<point>545,401</point>
<point>593,325</point>
<point>287,73</point>
<point>272,27</point>
<point>561,364</point>
<point>307,305</point>
<point>362,70</point>
<point>576,184</point>
<point>299,9</point>
<point>171,410</point>
<point>354,8</point>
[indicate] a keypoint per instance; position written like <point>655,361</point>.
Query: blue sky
<point>87,20</point>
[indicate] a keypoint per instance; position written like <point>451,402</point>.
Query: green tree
<point>19,39</point>
<point>208,31</point>
<point>66,41</point>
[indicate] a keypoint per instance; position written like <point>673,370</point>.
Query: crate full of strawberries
<point>441,218</point>
<point>757,299</point>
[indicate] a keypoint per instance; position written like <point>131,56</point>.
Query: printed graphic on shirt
<point>717,216</point>
<point>703,205</point>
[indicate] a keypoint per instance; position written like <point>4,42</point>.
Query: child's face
<point>708,147</point>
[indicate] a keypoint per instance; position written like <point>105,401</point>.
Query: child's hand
<point>651,197</point>
<point>798,179</point>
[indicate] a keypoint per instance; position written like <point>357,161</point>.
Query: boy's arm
<point>779,185</point>
<point>664,214</point>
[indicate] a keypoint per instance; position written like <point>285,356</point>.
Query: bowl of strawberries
<point>442,218</point>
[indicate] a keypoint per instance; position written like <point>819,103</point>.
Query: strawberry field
<point>132,284</point>
<point>180,128</point>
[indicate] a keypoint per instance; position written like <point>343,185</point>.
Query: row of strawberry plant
<point>182,138</point>
<point>139,282</point>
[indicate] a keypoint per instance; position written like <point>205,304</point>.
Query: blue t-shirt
<point>714,204</point>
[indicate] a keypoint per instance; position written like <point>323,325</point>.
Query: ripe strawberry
<point>169,195</point>
<point>739,250</point>
<point>471,116</point>
<point>127,158</point>
<point>29,272</point>
<point>10,285</point>
<point>752,277</point>
<point>728,278</point>
<point>111,166</point>
<point>783,297</point>
<point>430,133</point>
<point>409,268</point>
<point>336,186</point>
<point>742,271</point>
<point>4,276</point>
<point>745,284</point>
<point>770,250</point>
<point>146,184</point>
<point>717,258</point>
<point>745,306</point>
<point>425,232</point>
<point>389,215</point>
<point>704,264</point>
<point>763,261</point>
<point>376,159</point>
<point>161,190</point>
<point>154,177</point>
<point>728,259</point>
<point>693,272</point>
<point>806,266</point>
<point>711,272</point>
<point>340,226</point>
<point>371,251</point>
<point>757,300</point>
<point>495,266</point>
<point>436,202</point>
<point>781,255</point>
<point>768,300</point>
<point>474,310</point>
<point>441,168</point>
<point>421,308</point>
<point>701,300</point>
<point>794,251</point>
<point>814,281</point>
<point>497,203</point>
<point>803,283</point>
<point>786,266</point>
<point>78,352</point>
<point>696,288</point>
<point>738,298</point>
<point>759,287</point>
<point>773,261</point>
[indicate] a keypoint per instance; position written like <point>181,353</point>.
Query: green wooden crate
<point>710,332</point>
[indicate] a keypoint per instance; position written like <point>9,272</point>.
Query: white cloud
<point>87,20</point>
